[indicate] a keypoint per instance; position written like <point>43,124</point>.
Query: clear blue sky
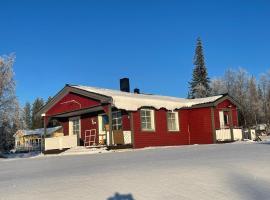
<point>152,42</point>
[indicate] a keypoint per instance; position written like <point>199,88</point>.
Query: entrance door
<point>103,128</point>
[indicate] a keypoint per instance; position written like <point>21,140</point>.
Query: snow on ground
<point>225,171</point>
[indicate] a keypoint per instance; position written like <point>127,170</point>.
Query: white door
<point>221,119</point>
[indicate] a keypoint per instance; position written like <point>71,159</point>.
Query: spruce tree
<point>200,83</point>
<point>49,99</point>
<point>27,116</point>
<point>37,120</point>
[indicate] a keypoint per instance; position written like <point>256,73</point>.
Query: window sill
<point>174,131</point>
<point>148,131</point>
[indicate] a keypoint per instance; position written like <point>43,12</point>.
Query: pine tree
<point>27,118</point>
<point>37,120</point>
<point>49,99</point>
<point>199,85</point>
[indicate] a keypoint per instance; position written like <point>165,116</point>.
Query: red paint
<point>161,136</point>
<point>200,126</point>
<point>89,122</point>
<point>71,102</point>
<point>125,121</point>
<point>64,124</point>
<point>195,127</point>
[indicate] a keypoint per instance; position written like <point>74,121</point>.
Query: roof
<point>133,101</point>
<point>39,131</point>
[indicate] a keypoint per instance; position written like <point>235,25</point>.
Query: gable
<point>225,104</point>
<point>72,102</point>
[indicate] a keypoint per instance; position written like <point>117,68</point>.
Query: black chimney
<point>124,85</point>
<point>136,90</point>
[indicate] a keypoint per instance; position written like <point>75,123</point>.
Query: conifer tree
<point>27,118</point>
<point>49,99</point>
<point>37,120</point>
<point>199,85</point>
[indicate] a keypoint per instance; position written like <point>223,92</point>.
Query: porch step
<point>84,150</point>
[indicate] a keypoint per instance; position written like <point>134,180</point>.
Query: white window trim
<point>176,120</point>
<point>152,115</point>
<point>70,125</point>
<point>118,111</point>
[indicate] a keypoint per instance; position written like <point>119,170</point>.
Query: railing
<point>61,142</point>
<point>27,148</point>
<point>225,134</point>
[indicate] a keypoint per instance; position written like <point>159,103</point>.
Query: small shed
<point>30,140</point>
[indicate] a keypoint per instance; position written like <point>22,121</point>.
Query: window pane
<point>117,120</point>
<point>146,119</point>
<point>172,121</point>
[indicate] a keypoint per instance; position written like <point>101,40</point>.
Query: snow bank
<point>132,101</point>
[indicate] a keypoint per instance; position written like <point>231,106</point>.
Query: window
<point>117,120</point>
<point>172,121</point>
<point>105,122</point>
<point>147,120</point>
<point>226,118</point>
<point>74,126</point>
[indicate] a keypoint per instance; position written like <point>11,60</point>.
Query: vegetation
<point>199,85</point>
<point>253,95</point>
<point>9,107</point>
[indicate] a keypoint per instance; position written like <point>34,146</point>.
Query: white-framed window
<point>147,119</point>
<point>74,126</point>
<point>116,120</point>
<point>172,121</point>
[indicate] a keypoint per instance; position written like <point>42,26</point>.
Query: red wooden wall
<point>200,126</point>
<point>68,103</point>
<point>89,122</point>
<point>161,136</point>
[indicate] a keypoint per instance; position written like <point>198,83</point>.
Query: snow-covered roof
<point>39,131</point>
<point>133,101</point>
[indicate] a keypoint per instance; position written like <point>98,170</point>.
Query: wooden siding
<point>161,136</point>
<point>71,102</point>
<point>89,122</point>
<point>200,126</point>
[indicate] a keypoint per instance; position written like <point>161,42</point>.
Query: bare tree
<point>7,101</point>
<point>253,97</point>
<point>218,86</point>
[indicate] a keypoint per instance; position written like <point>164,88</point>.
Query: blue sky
<point>152,42</point>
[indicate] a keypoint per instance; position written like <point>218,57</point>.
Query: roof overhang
<point>216,102</point>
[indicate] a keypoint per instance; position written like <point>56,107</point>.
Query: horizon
<point>96,43</point>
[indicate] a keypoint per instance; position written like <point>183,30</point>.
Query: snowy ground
<point>225,171</point>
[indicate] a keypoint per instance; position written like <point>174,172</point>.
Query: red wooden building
<point>96,117</point>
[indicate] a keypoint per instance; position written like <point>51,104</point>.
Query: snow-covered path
<point>228,171</point>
